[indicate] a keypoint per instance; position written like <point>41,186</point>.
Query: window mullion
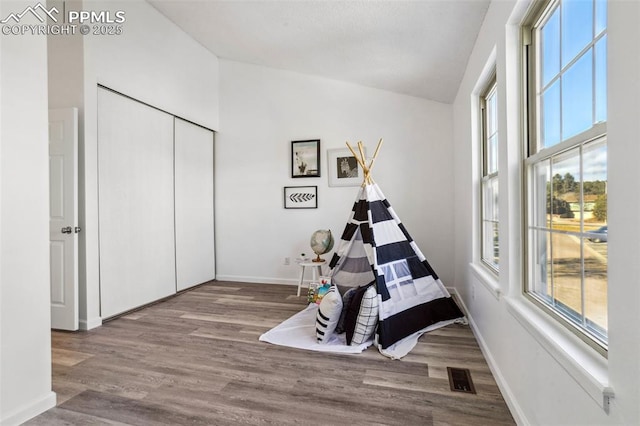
<point>551,276</point>
<point>597,131</point>
<point>561,12</point>
<point>483,129</point>
<point>582,262</point>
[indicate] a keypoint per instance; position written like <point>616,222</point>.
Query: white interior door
<point>136,203</point>
<point>195,256</point>
<point>63,217</point>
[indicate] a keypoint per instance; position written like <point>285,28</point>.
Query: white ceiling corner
<point>419,48</point>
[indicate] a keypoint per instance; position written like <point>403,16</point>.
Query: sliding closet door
<point>195,261</point>
<point>136,203</point>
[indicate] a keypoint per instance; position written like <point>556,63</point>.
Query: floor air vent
<point>460,380</point>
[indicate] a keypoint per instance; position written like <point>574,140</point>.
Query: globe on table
<point>321,243</point>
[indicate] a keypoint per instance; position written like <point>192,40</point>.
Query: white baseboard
<point>90,323</point>
<point>29,411</point>
<point>260,280</point>
<point>505,389</point>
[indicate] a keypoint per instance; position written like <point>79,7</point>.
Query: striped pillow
<point>328,314</point>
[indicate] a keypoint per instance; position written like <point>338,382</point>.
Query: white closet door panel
<point>195,256</point>
<point>136,203</point>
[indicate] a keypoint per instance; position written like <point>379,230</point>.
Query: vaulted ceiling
<point>418,48</point>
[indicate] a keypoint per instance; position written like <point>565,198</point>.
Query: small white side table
<point>315,266</point>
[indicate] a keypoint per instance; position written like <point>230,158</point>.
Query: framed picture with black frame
<point>300,197</point>
<point>305,158</point>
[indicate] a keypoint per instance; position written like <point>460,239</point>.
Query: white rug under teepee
<point>299,331</point>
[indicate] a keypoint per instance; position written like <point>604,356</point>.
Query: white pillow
<point>328,314</point>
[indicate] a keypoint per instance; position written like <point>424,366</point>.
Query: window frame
<point>534,154</point>
<point>486,176</point>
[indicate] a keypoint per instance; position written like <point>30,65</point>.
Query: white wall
<point>262,110</point>
<point>547,376</point>
<point>156,62</point>
<point>153,61</point>
<point>25,340</point>
<point>624,203</point>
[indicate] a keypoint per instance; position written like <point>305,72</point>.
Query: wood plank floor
<point>195,359</point>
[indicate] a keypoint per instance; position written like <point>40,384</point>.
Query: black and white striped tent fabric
<point>375,246</point>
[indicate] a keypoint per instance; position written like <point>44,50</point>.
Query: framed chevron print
<point>300,197</point>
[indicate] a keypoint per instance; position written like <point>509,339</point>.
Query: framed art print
<point>305,158</point>
<point>344,169</point>
<point>300,197</point>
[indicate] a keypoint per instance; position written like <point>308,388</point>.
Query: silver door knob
<point>77,229</point>
<point>66,230</point>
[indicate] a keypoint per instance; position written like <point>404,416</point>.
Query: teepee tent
<point>376,247</point>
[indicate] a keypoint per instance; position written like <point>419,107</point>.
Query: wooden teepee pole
<point>375,155</point>
<point>361,149</point>
<point>361,159</point>
<point>367,176</point>
<point>356,156</point>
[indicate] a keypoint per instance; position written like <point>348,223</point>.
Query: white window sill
<point>489,280</point>
<point>588,368</point>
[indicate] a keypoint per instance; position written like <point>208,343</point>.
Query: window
<point>566,165</point>
<point>399,280</point>
<point>490,247</point>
